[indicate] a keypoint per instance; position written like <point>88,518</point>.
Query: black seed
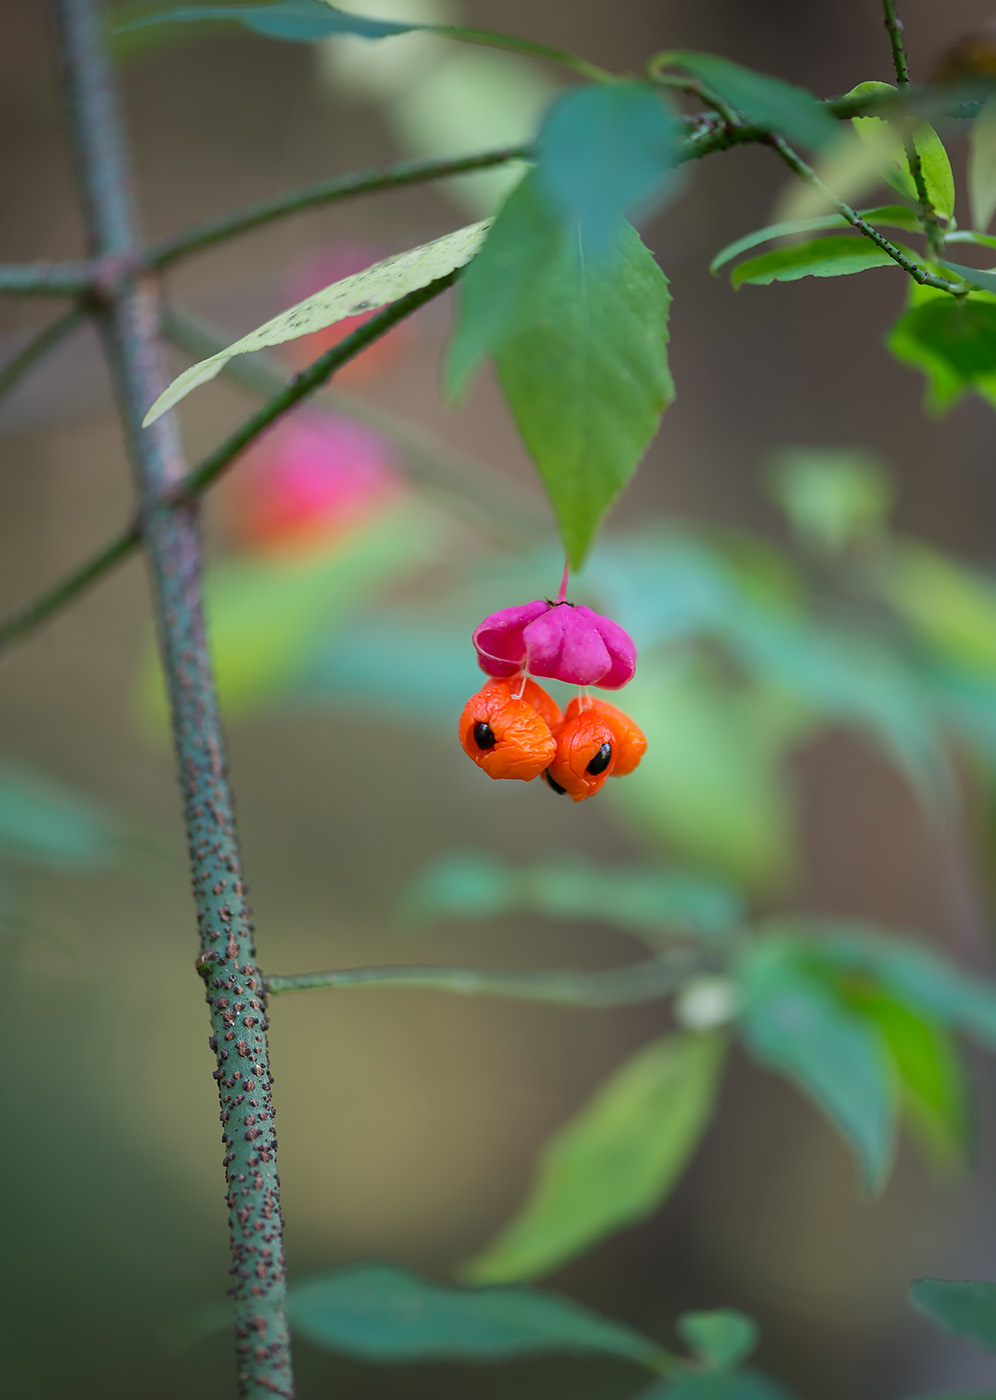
<point>551,782</point>
<point>601,761</point>
<point>484,735</point>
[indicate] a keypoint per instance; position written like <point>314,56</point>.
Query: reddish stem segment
<point>562,595</point>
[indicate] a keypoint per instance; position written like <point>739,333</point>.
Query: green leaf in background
<point>586,376</point>
<point>831,495</point>
<point>374,287</point>
<point>933,1083</point>
<point>822,257</point>
<point>982,166</point>
<point>951,608</point>
<point>961,1306</point>
<point>655,904</point>
<point>952,340</point>
<point>298,21</point>
<point>604,151</point>
<point>264,615</point>
<point>712,785</point>
<point>615,1162</point>
<point>889,216</point>
<point>740,1385</point>
<point>721,1339</point>
<point>45,823</point>
<point>795,1022</point>
<point>766,102</point>
<point>382,1313</point>
<point>934,163</point>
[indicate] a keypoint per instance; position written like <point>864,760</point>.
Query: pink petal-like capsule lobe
<point>558,640</point>
<point>498,641</point>
<point>620,646</point>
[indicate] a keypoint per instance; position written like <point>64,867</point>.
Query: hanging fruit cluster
<point>513,729</point>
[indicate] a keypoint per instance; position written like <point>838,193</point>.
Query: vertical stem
<point>894,29</point>
<point>227,960</point>
<point>562,594</point>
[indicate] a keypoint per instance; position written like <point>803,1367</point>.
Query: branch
<point>931,228</point>
<point>47,279</point>
<point>38,348</point>
<point>490,502</point>
<point>185,487</point>
<point>622,986</point>
<point>227,957</point>
<point>918,273</point>
<point>264,211</point>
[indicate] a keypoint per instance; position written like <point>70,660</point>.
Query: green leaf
<point>604,151</point>
<point>43,822</point>
<point>952,340</point>
<point>966,1308</point>
<point>586,376</point>
<point>932,1078</point>
<point>831,495</point>
<point>982,166</point>
<point>653,903</point>
<point>294,20</point>
<point>822,257</point>
<point>952,609</point>
<point>374,287</point>
<point>721,1339</point>
<point>265,614</point>
<point>934,163</point>
<point>794,1022</point>
<point>382,1313</point>
<point>766,102</point>
<point>740,1385</point>
<point>890,216</point>
<point>985,281</point>
<point>615,1162</point>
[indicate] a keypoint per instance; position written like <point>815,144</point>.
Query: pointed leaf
<point>794,1023</point>
<point>982,166</point>
<point>615,1162</point>
<point>934,163</point>
<point>606,150</point>
<point>823,257</point>
<point>721,1339</point>
<point>374,287</point>
<point>985,281</point>
<point>586,376</point>
<point>888,216</point>
<point>382,1313</point>
<point>766,102</point>
<point>966,1308</point>
<point>295,20</point>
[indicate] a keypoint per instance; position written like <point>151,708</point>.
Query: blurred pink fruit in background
<point>311,479</point>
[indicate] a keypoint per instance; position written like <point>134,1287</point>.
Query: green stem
<point>37,349</point>
<point>489,502</point>
<point>47,279</point>
<point>227,959</point>
<point>622,986</point>
<point>931,228</point>
<point>918,273</point>
<point>264,211</point>
<point>188,486</point>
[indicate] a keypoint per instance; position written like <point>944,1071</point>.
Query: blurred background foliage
<point>806,564</point>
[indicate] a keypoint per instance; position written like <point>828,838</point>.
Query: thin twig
<point>227,960</point>
<point>38,348</point>
<point>931,228</point>
<point>47,279</point>
<point>20,623</point>
<point>918,273</point>
<point>265,211</point>
<point>619,986</point>
<point>490,502</point>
